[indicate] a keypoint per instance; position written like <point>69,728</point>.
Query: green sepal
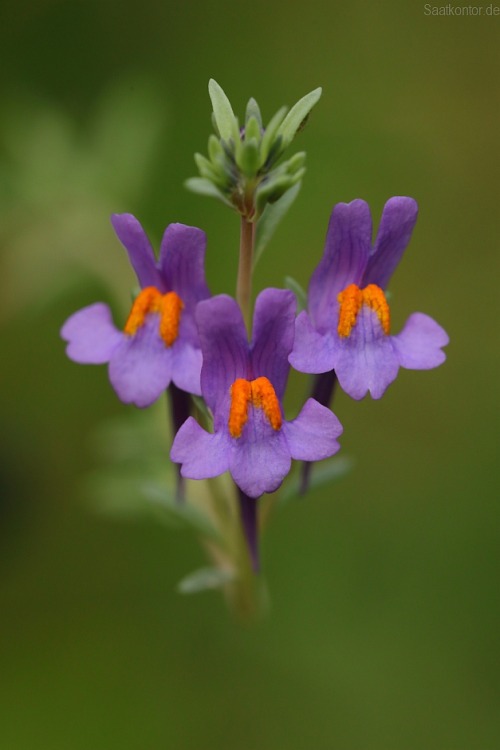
<point>253,110</point>
<point>202,186</point>
<point>298,290</point>
<point>223,112</point>
<point>271,217</point>
<point>205,579</point>
<point>270,134</point>
<point>297,116</point>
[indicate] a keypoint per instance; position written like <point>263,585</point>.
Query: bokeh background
<point>383,629</point>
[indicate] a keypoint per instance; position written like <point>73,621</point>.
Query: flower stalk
<point>245,266</point>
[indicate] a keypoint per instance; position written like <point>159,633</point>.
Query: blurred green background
<point>383,631</point>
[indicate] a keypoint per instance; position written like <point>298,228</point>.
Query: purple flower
<point>243,385</point>
<point>347,328</point>
<point>159,342</point>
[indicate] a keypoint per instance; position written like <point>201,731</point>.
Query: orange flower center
<point>168,306</point>
<point>258,393</point>
<point>352,299</point>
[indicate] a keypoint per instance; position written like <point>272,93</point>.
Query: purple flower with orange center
<point>243,385</point>
<point>348,324</point>
<point>159,343</point>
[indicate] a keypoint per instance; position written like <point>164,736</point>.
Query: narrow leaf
<point>252,130</point>
<point>268,222</point>
<point>272,190</point>
<point>223,112</point>
<point>253,110</point>
<point>327,471</point>
<point>297,115</point>
<point>205,579</point>
<point>270,133</point>
<point>201,186</point>
<point>298,290</point>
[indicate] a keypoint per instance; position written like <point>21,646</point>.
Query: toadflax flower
<point>159,342</point>
<point>347,328</point>
<point>243,384</point>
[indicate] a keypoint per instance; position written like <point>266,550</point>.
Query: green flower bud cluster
<point>244,167</point>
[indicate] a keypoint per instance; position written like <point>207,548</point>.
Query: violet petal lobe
<point>313,434</point>
<point>203,455</point>
<point>366,360</point>
<point>418,346</point>
<point>182,262</point>
<point>259,466</point>
<point>186,366</point>
<point>273,334</point>
<point>347,247</point>
<point>224,346</point>
<point>312,351</point>
<point>141,367</point>
<point>135,241</point>
<point>394,233</point>
<point>91,335</point>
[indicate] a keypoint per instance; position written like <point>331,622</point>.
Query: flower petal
<point>418,346</point>
<point>366,360</point>
<point>141,367</point>
<point>91,335</point>
<point>313,435</point>
<point>312,351</point>
<point>394,233</point>
<point>141,255</point>
<point>260,465</point>
<point>182,262</point>
<point>186,367</point>
<point>224,346</point>
<point>273,334</point>
<point>202,454</point>
<point>347,246</point>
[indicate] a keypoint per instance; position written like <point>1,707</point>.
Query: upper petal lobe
<point>135,241</point>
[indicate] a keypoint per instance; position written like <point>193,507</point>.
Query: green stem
<point>244,282</point>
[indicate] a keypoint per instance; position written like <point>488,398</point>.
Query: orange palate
<point>260,394</point>
<point>169,306</point>
<point>351,300</point>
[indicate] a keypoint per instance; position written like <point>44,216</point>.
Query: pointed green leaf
<point>296,162</point>
<point>202,186</point>
<point>252,130</point>
<point>297,115</point>
<point>203,409</point>
<point>297,289</point>
<point>268,222</point>
<point>223,112</point>
<point>253,110</point>
<point>215,150</point>
<point>125,495</point>
<point>327,471</point>
<point>248,157</point>
<point>180,514</point>
<point>270,134</point>
<point>272,190</point>
<point>206,168</point>
<point>205,579</point>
